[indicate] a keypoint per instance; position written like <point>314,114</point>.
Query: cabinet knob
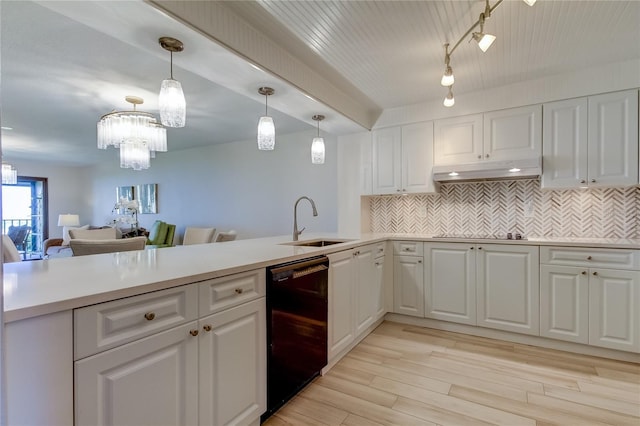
<point>380,250</point>
<point>207,327</point>
<point>239,291</point>
<point>487,156</point>
<point>377,263</point>
<point>398,190</point>
<point>593,181</point>
<point>193,332</point>
<point>595,273</point>
<point>419,261</point>
<point>589,258</point>
<point>404,190</point>
<point>149,316</point>
<point>471,248</point>
<point>479,248</point>
<point>584,272</point>
<point>583,181</point>
<point>479,157</point>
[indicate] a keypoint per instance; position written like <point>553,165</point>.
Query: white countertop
<point>41,287</point>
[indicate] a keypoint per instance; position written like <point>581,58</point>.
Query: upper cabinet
<point>402,159</point>
<point>591,141</point>
<point>510,134</point>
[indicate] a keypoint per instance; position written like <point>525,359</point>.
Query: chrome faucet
<point>295,216</point>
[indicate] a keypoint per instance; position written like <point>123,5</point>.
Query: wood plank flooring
<point>406,375</point>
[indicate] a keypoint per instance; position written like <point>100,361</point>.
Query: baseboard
<point>515,338</point>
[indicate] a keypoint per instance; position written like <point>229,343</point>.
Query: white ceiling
<point>59,75</point>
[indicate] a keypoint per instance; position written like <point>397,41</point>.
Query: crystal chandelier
<point>9,174</point>
<point>266,126</point>
<point>317,146</point>
<point>173,106</point>
<point>136,133</point>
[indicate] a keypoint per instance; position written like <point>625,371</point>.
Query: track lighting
<point>483,39</point>
<point>449,100</point>
<point>447,77</point>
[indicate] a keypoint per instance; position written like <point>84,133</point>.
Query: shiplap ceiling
<point>62,70</point>
<point>393,50</point>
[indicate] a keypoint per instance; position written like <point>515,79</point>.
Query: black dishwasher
<point>296,327</point>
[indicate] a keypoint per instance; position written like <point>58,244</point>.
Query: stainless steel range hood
<point>489,170</point>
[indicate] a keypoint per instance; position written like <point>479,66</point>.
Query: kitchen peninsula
<point>49,305</point>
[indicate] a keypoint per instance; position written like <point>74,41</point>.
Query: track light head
<point>530,2</point>
<point>449,100</point>
<point>484,40</point>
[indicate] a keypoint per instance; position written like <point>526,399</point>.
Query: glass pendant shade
<point>447,77</point>
<point>9,174</point>
<point>317,151</point>
<point>122,126</point>
<point>266,134</point>
<point>135,155</point>
<point>173,107</point>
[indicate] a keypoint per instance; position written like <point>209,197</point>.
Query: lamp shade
<point>266,133</point>
<point>68,220</point>
<point>173,107</point>
<point>317,151</point>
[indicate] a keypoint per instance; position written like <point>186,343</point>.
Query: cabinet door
<point>614,315</point>
<point>564,144</point>
<point>408,285</point>
<point>341,315</point>
<point>232,360</point>
<point>508,287</point>
<point>513,134</point>
<point>450,282</point>
<point>387,161</point>
<point>564,303</point>
<point>458,140</point>
<point>112,387</point>
<point>613,139</point>
<point>417,158</point>
<point>364,288</point>
<point>379,289</point>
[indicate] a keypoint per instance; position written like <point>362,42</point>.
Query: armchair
<point>161,235</point>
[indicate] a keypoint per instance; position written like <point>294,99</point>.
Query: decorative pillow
<point>65,233</point>
<point>93,234</point>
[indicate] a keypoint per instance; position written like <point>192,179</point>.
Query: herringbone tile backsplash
<point>495,208</point>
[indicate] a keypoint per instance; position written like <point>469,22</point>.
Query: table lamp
<point>68,220</point>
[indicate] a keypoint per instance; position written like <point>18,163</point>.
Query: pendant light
<point>135,133</point>
<point>173,107</point>
<point>266,126</point>
<point>484,40</point>
<point>447,78</point>
<point>317,146</point>
<point>449,100</point>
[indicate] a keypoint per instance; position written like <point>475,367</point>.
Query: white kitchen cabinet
<point>564,303</point>
<point>591,141</point>
<point>341,330</point>
<point>232,365</point>
<point>402,159</point>
<point>458,140</point>
<point>509,134</point>
<point>614,309</point>
<point>450,282</point>
<point>379,303</point>
<point>152,381</point>
<point>352,296</point>
<point>591,296</point>
<point>209,368</point>
<point>508,287</point>
<point>408,278</point>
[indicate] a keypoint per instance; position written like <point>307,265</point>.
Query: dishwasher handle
<point>299,265</point>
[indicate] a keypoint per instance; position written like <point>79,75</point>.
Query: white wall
<point>231,186</point>
<point>69,191</point>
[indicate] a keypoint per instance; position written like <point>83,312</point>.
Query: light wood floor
<point>406,375</point>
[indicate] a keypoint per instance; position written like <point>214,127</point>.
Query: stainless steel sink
<point>315,243</point>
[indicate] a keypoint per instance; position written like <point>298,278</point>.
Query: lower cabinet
<point>207,371</point>
<point>591,296</point>
<point>408,278</point>
<point>508,287</point>
<point>355,295</point>
<point>379,307</point>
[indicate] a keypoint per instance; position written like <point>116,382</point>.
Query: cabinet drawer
<point>408,248</point>
<point>591,257</point>
<point>107,325</point>
<point>379,249</point>
<point>225,292</point>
